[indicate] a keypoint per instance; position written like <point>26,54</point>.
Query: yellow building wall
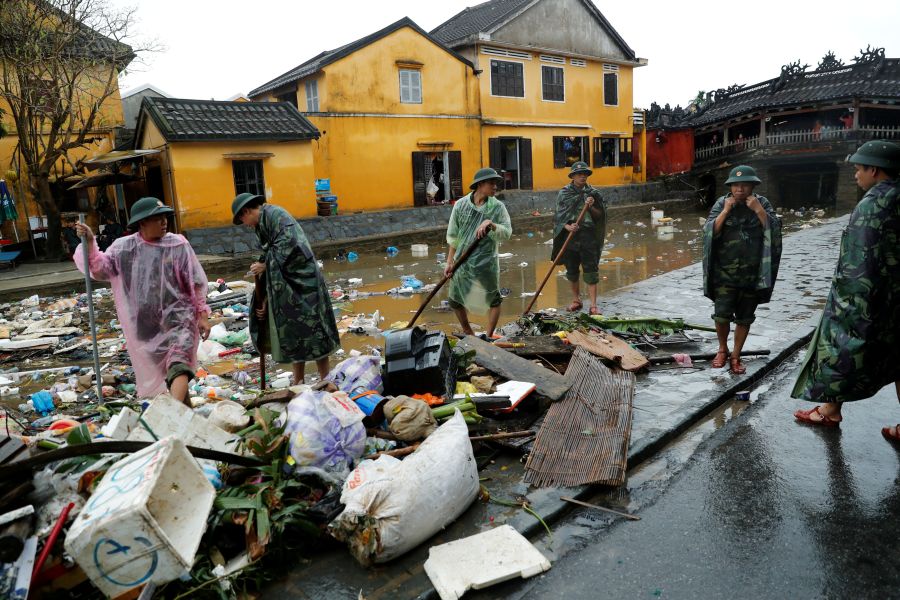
<point>583,106</point>
<point>369,159</point>
<point>199,180</point>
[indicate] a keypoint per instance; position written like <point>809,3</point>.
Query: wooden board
<point>605,345</point>
<point>506,364</point>
<point>545,345</point>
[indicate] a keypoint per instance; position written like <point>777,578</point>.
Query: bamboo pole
<point>90,303</point>
<point>556,260</point>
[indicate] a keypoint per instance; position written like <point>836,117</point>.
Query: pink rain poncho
<point>159,289</point>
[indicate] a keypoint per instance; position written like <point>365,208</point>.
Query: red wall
<point>673,153</point>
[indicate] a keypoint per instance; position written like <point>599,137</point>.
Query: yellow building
<point>396,110</point>
<point>210,151</point>
<point>555,87</point>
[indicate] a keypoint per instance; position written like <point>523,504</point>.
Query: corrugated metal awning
<point>117,156</point>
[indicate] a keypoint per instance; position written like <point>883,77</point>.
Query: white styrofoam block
<point>121,424</point>
<point>482,560</point>
<point>167,416</point>
<point>144,521</point>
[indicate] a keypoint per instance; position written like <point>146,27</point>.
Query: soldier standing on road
<point>855,350</point>
<point>160,290</point>
<point>301,325</point>
<point>476,283</point>
<point>741,254</point>
<point>586,245</point>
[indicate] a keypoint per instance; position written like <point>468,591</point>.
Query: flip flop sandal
<point>595,311</point>
<point>805,416</point>
<point>737,367</point>
<point>891,434</point>
<point>720,359</point>
<point>577,305</point>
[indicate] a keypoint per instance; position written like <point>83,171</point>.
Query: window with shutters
<point>611,89</point>
<point>507,79</point>
<point>248,177</point>
<point>606,152</point>
<point>626,158</point>
<point>312,96</point>
<point>553,82</point>
<point>568,150</point>
<point>410,86</point>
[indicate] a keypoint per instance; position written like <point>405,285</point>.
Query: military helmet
<point>147,207</point>
<point>580,167</point>
<point>742,173</point>
<point>877,153</point>
<point>485,174</point>
<point>239,202</point>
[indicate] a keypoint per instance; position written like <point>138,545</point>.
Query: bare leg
<point>592,292</point>
<point>299,369</point>
<point>463,319</point>
<point>493,318</point>
<point>740,336</point>
<point>179,389</point>
<point>322,366</point>
<point>576,291</point>
<point>722,330</point>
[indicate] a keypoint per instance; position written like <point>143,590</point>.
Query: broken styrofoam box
<point>420,249</point>
<point>482,560</point>
<point>144,521</point>
<point>121,425</point>
<point>166,417</point>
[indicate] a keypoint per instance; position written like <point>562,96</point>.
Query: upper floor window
<point>553,80</point>
<point>507,79</point>
<point>610,85</point>
<point>248,177</point>
<point>312,95</point>
<point>410,86</point>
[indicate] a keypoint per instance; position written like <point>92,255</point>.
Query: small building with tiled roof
<point>210,151</point>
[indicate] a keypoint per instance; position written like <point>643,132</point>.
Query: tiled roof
<point>211,120</point>
<point>877,80</point>
<point>489,16</point>
<point>476,19</point>
<point>329,56</point>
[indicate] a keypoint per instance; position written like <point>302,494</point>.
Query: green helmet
<point>877,153</point>
<point>580,167</point>
<point>485,174</point>
<point>147,207</point>
<point>240,201</point>
<point>742,173</point>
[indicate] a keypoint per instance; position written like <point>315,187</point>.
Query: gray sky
<point>216,49</point>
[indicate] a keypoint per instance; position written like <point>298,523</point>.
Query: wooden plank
<point>9,447</point>
<point>547,345</point>
<point>605,345</point>
<point>506,364</point>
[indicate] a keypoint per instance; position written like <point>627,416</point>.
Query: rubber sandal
<point>595,311</point>
<point>576,305</point>
<point>805,416</point>
<point>736,366</point>
<point>891,434</point>
<point>720,359</point>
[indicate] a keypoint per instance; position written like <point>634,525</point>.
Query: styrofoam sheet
<point>482,560</point>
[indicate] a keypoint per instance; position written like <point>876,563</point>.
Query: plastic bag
<point>410,420</point>
<point>392,506</point>
<point>431,189</point>
<point>325,430</point>
<point>357,372</point>
<point>209,350</point>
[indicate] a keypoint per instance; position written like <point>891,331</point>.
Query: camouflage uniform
<point>587,244</point>
<point>855,350</point>
<point>740,265</point>
<point>301,321</point>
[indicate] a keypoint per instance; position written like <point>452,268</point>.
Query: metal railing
<point>798,136</point>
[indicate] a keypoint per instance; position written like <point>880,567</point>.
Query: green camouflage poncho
<point>742,230</point>
<point>477,280</point>
<point>569,203</point>
<point>301,321</point>
<point>856,348</point>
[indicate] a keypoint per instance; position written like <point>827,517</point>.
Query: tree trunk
<point>45,198</point>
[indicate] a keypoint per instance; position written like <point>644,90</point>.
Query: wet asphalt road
<point>765,508</point>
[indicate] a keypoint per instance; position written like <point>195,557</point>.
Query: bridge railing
<point>798,136</point>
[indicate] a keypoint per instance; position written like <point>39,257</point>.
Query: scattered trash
<point>419,250</point>
<point>409,419</point>
<point>352,256</point>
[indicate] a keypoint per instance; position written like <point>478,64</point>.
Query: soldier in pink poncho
<point>159,289</point>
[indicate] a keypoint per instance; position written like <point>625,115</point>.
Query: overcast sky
<point>220,48</point>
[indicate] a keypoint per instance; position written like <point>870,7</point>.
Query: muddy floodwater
<point>634,251</point>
